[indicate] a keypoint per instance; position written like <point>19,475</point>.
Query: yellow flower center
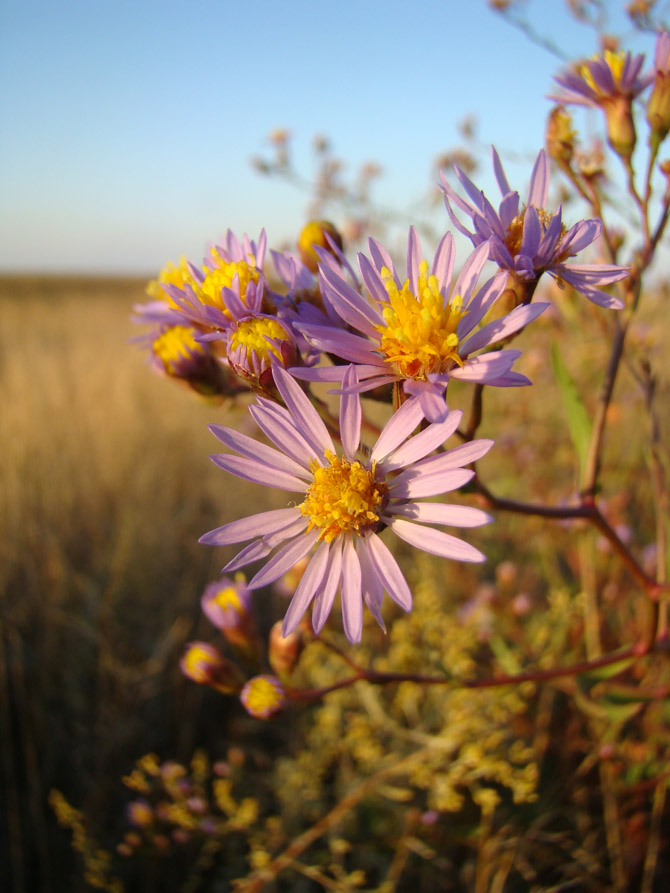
<point>343,496</point>
<point>228,599</point>
<point>514,235</point>
<point>263,696</point>
<point>176,345</point>
<point>420,332</point>
<point>615,60</point>
<point>199,663</point>
<point>252,334</point>
<point>171,274</point>
<point>222,277</point>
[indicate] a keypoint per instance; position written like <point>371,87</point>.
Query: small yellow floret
<point>228,599</point>
<point>222,277</point>
<point>252,334</point>
<point>420,332</point>
<point>171,274</point>
<point>514,234</point>
<point>263,696</point>
<point>615,60</point>
<point>175,346</point>
<point>343,496</point>
<point>199,663</point>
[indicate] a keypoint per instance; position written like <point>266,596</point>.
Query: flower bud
<point>620,125</point>
<point>263,697</point>
<point>139,813</point>
<point>658,107</point>
<point>176,353</point>
<point>254,343</point>
<point>283,652</point>
<point>204,664</point>
<point>319,233</point>
<point>227,604</point>
<point>560,137</point>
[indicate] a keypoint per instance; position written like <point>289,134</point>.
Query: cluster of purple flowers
<point>374,328</point>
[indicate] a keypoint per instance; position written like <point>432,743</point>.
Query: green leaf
<point>504,655</point>
<point>605,709</point>
<point>587,680</point>
<point>579,423</point>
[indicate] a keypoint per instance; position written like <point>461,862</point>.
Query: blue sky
<point>127,127</point>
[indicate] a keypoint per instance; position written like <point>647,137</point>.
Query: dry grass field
<point>105,488</point>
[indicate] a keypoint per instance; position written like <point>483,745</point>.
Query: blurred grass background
<point>106,487</point>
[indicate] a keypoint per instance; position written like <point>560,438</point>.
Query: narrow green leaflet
<point>579,423</point>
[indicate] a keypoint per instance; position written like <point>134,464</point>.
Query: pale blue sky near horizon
<point>127,127</point>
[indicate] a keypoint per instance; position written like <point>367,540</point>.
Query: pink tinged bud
<point>263,697</point>
<point>284,651</point>
<point>228,605</point>
<point>204,664</point>
<point>254,343</point>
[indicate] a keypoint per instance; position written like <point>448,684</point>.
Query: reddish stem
<point>375,678</point>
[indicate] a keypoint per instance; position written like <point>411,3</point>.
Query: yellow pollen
<point>263,696</point>
<point>222,277</point>
<point>252,334</point>
<point>420,332</point>
<point>228,599</point>
<point>171,274</point>
<point>343,496</point>
<point>175,346</point>
<point>615,60</point>
<point>514,234</point>
<point>199,663</point>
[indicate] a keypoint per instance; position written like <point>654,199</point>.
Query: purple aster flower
<point>228,301</point>
<point>422,332</point>
<point>175,351</point>
<point>303,291</point>
<point>347,501</point>
<point>602,78</point>
<point>303,301</point>
<point>527,241</point>
<point>230,284</point>
<point>609,81</point>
